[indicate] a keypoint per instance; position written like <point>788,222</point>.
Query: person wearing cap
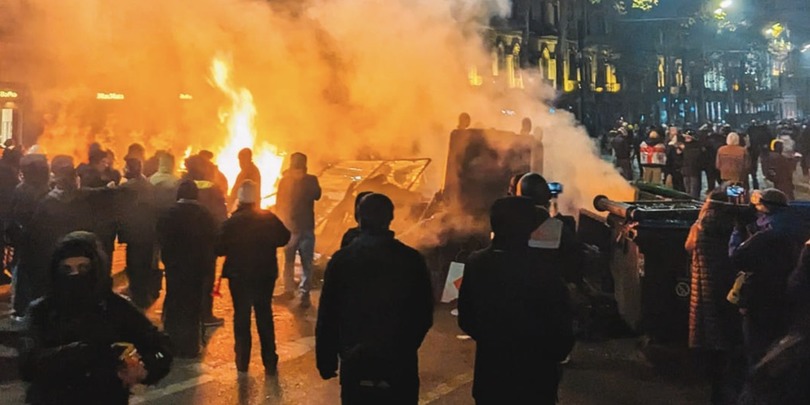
<point>295,205</point>
<point>779,169</point>
<point>555,237</point>
<point>83,343</point>
<point>137,230</point>
<point>249,240</point>
<point>186,234</point>
<point>517,311</point>
<point>692,169</point>
<point>767,253</point>
<point>376,308</point>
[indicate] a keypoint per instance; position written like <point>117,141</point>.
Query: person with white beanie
<point>249,240</point>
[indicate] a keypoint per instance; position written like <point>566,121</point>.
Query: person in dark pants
<point>376,307</point>
<point>137,230</point>
<point>187,235</point>
<point>759,137</point>
<point>297,193</point>
<point>692,164</point>
<point>779,170</point>
<point>767,256</point>
<point>84,344</point>
<point>249,240</point>
<point>352,233</point>
<point>623,151</point>
<point>517,310</point>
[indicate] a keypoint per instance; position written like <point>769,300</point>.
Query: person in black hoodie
<point>376,307</point>
<point>84,344</point>
<point>24,200</point>
<point>186,235</point>
<point>352,233</point>
<point>692,164</point>
<point>518,312</point>
<point>137,230</point>
<point>249,240</point>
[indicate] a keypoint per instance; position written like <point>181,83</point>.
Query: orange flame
<point>238,118</point>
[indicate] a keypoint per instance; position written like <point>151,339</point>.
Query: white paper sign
<point>454,276</point>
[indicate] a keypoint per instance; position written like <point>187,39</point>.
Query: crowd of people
<point>683,158</point>
<point>749,306</point>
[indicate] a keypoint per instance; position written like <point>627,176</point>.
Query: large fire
<point>238,118</point>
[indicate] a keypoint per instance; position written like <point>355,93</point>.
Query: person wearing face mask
<point>84,344</point>
<point>766,252</point>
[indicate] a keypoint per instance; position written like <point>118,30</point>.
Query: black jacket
<point>517,310</point>
<point>297,193</point>
<point>622,147</point>
<point>375,309</point>
<point>248,240</point>
<point>187,234</point>
<point>138,212</point>
<point>693,159</point>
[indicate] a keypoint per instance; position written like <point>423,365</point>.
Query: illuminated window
<point>662,78</point>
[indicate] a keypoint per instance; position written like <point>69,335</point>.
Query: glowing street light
<point>726,4</point>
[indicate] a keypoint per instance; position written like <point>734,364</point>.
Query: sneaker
<point>214,321</point>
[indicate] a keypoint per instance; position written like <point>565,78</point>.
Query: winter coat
<point>769,255</point>
<point>186,235</point>
<point>622,147</point>
<point>67,354</point>
<point>713,321</point>
<point>517,310</point>
<point>138,212</point>
<point>653,153</point>
<point>213,199</point>
<point>9,178</point>
<point>733,163</point>
<point>779,170</point>
<point>692,159</point>
<point>248,240</point>
<point>376,307</point>
<point>297,193</point>
<point>674,158</point>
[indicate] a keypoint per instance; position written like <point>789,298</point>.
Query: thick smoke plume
<point>332,78</point>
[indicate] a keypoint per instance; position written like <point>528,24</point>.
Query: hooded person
<point>210,194</point>
<point>137,229</point>
<point>84,344</point>
<point>187,236</point>
<point>517,312</point>
<point>212,172</point>
<point>653,158</point>
<point>63,210</point>
<point>767,253</point>
<point>24,200</point>
<point>371,323</point>
<point>165,181</point>
<point>295,205</point>
<point>249,240</point>
<point>622,145</point>
<point>352,233</point>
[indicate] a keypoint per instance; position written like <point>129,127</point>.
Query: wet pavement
<point>607,372</point>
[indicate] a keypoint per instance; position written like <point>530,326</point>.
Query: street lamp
<point>726,4</point>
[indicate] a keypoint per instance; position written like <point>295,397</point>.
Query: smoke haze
<point>331,78</point>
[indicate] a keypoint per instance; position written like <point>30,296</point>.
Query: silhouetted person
<point>517,310</point>
<point>24,201</point>
<point>212,172</point>
<point>137,230</point>
<point>463,121</point>
<point>187,234</point>
<point>779,170</point>
<point>352,233</point>
<point>376,307</point>
<point>622,146</point>
<point>76,348</point>
<point>249,240</point>
<point>248,171</point>
<point>297,193</point>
